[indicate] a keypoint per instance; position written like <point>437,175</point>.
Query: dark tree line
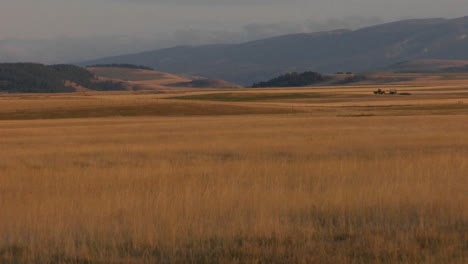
<point>39,78</point>
<point>116,65</point>
<point>293,79</point>
<point>31,78</point>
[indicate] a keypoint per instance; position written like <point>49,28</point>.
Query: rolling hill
<point>428,66</point>
<point>39,78</point>
<point>146,79</point>
<point>137,79</point>
<point>341,50</point>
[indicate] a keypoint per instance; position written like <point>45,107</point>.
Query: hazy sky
<point>47,18</point>
<point>196,21</point>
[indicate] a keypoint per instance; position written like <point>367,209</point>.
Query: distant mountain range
<point>427,66</point>
<point>341,50</point>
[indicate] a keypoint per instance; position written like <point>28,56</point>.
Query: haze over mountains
<point>340,50</point>
<point>67,47</point>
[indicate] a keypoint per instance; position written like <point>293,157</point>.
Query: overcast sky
<point>167,22</point>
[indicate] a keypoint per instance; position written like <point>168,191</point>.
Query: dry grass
<point>128,74</point>
<point>138,79</point>
<point>214,179</point>
<point>234,189</point>
<point>319,101</point>
<point>121,105</point>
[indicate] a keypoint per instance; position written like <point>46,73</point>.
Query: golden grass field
<point>311,175</point>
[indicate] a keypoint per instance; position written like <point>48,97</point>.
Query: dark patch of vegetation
<point>206,83</point>
<point>379,91</point>
<point>130,66</point>
<point>389,92</point>
<point>293,80</point>
<point>107,86</point>
<point>245,97</point>
<point>201,83</point>
<point>74,74</point>
<point>31,78</point>
<point>39,78</point>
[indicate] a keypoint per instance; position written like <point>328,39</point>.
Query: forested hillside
<point>39,78</point>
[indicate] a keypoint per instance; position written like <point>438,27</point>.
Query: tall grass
<point>245,189</point>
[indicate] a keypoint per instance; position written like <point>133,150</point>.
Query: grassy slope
<point>140,79</point>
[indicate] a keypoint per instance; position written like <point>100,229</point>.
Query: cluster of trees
<point>39,78</point>
<point>130,66</point>
<point>74,74</point>
<point>294,79</point>
<point>31,78</point>
<point>107,86</point>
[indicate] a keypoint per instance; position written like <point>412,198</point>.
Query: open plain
<point>305,175</point>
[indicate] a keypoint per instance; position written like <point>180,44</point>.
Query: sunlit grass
<point>234,189</point>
